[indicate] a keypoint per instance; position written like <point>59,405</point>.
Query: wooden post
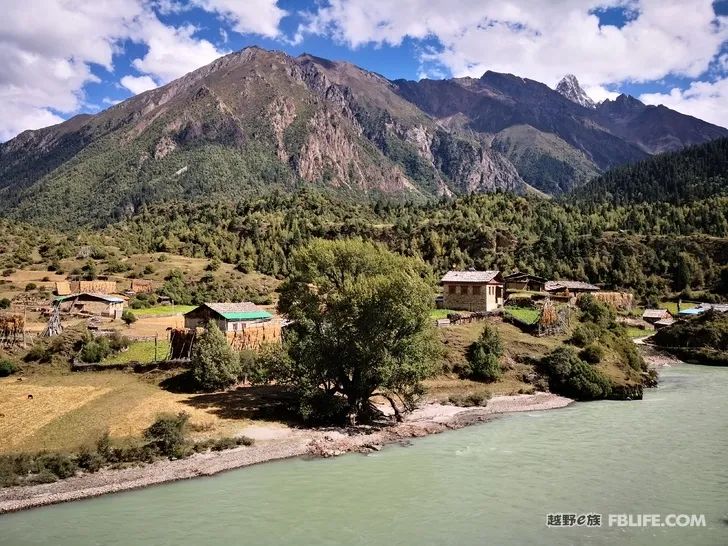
<point>156,341</point>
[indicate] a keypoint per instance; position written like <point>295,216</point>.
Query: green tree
<point>570,376</point>
<point>214,365</point>
<point>360,326</point>
<point>484,356</point>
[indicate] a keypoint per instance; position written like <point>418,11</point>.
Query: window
<point>452,289</point>
<point>464,290</point>
<point>476,290</point>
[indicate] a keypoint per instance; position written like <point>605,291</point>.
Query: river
<point>492,483</point>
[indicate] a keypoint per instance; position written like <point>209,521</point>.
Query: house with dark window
<point>473,290</point>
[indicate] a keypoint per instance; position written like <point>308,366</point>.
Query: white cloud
<point>138,84</point>
<point>48,48</point>
<point>45,52</point>
<point>260,17</point>
<point>173,51</point>
<point>539,40</point>
<point>704,100</point>
<point>599,93</point>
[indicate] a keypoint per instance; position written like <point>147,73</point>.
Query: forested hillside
<point>691,174</point>
<point>651,248</point>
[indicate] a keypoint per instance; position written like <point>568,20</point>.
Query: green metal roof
<point>248,315</point>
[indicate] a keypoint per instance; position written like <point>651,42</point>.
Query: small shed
<point>655,315</point>
<point>524,281</point>
<point>230,317</point>
<point>570,288</point>
<point>662,323</point>
<point>92,304</point>
<point>473,290</point>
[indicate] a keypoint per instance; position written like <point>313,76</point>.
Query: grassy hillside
<point>544,160</point>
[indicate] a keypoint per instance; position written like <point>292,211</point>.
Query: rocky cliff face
<point>257,119</point>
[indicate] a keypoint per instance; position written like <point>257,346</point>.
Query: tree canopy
<point>360,327</point>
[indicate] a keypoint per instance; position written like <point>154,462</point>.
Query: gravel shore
<point>273,442</point>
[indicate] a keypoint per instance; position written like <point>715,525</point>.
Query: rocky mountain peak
<point>569,87</point>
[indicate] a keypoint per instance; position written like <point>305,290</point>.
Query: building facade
<point>230,317</point>
<point>473,290</point>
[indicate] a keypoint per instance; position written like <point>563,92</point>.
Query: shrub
<point>214,265</point>
<point>469,400</point>
<point>167,434</point>
<point>484,356</point>
<point>30,287</point>
<point>592,354</point>
<point>59,464</point>
<point>117,342</point>
<point>38,353</point>
<point>44,476</point>
<point>95,350</point>
<point>214,365</point>
<point>593,310</point>
<point>584,334</point>
<point>7,367</point>
<point>88,460</point>
<point>572,377</point>
<point>4,303</point>
<point>224,443</point>
<point>128,317</point>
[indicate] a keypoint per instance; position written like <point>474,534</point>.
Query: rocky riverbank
<point>274,442</point>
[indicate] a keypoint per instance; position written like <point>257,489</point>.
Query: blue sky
<point>62,57</point>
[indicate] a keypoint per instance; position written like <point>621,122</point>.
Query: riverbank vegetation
<point>702,339</point>
<point>166,437</point>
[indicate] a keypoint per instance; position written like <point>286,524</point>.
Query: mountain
<point>610,134</point>
<point>255,120</point>
<point>697,172</point>
<point>247,122</point>
<point>654,129</point>
<point>569,87</point>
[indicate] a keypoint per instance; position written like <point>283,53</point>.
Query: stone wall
<point>472,297</point>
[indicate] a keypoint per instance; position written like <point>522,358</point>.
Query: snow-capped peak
<point>569,87</point>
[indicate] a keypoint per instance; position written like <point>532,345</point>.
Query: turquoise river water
<point>493,483</point>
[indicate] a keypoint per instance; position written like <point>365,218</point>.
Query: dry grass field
<point>71,410</point>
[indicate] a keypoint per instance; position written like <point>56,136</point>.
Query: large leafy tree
<point>360,327</point>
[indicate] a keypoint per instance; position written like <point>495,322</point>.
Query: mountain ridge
<point>256,119</point>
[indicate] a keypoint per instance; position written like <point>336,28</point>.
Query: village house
<point>569,288</point>
<point>92,304</point>
<point>473,290</point>
<point>230,317</point>
<point>655,315</point>
<point>524,282</point>
<point>246,326</point>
